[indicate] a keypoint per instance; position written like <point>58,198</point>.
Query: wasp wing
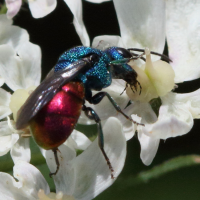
<point>46,91</point>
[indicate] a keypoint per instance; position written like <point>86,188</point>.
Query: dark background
<point>55,33</point>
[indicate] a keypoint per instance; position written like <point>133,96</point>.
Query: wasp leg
<point>140,87</point>
<point>124,89</point>
<point>136,55</point>
<point>91,114</point>
<point>99,96</point>
<point>57,162</point>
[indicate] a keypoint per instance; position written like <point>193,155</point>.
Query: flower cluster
<point>163,112</point>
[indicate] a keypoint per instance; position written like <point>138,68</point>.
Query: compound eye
<point>124,52</point>
<point>94,58</point>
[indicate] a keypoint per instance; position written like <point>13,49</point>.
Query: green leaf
<point>155,105</point>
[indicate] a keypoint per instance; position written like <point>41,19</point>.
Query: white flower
<point>19,60</point>
<point>81,178</point>
<point>148,24</point>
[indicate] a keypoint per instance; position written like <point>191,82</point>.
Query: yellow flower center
<point>18,99</point>
<point>156,79</point>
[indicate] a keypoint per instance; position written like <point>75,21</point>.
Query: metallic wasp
<point>53,108</point>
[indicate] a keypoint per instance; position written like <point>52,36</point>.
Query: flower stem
<point>164,168</point>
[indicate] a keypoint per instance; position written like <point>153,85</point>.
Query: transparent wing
<point>46,91</point>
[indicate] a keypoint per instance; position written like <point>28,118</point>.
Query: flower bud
<point>156,79</point>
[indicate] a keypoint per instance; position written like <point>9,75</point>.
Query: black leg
<point>57,162</point>
<point>125,89</point>
<point>132,88</point>
<point>91,114</point>
<point>99,96</point>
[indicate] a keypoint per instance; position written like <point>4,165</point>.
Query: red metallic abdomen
<point>55,121</point>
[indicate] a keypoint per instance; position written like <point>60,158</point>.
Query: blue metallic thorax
<point>100,72</point>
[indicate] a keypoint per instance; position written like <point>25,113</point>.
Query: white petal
<point>104,41</point>
<point>30,64</point>
<point>41,8</point>
<point>4,103</point>
<point>9,67</point>
<point>7,138</point>
<point>71,143</point>
<point>13,7</point>
<point>4,21</point>
<point>7,143</point>
<point>76,8</point>
<point>149,147</point>
<point>21,150</point>
<point>97,1</point>
<point>129,128</point>
<point>142,110</point>
<point>11,35</point>
<point>43,152</point>
<point>92,174</point>
<point>10,189</point>
<point>175,116</point>
<point>65,178</point>
<point>1,81</point>
<point>191,101</point>
<point>142,23</point>
<point>81,140</point>
<point>5,129</point>
<point>23,71</point>
<point>183,38</point>
<point>31,179</point>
